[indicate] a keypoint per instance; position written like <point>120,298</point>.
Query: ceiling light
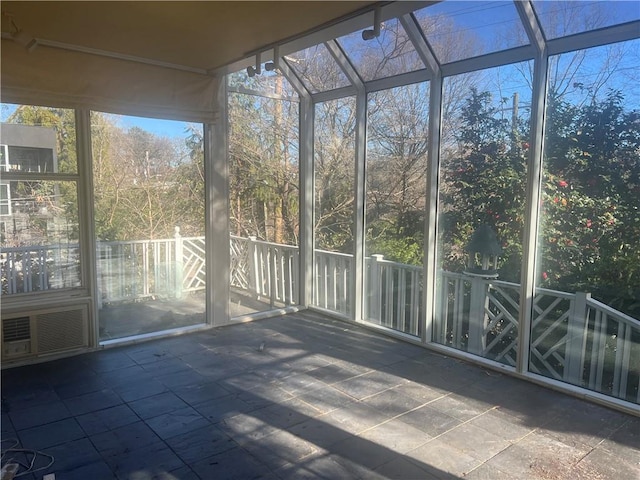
<point>21,37</point>
<point>371,34</point>
<point>257,70</point>
<point>271,66</point>
<point>27,41</point>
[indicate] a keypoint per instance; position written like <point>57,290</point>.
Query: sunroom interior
<point>463,176</point>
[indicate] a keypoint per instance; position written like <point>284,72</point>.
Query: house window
<point>39,200</point>
<point>4,158</point>
<point>5,199</point>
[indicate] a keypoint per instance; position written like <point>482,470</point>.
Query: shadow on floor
<point>303,396</point>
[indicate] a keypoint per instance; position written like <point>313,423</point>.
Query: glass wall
<point>264,193</point>
<point>481,211</point>
<point>334,193</point>
<point>148,180</point>
<point>396,159</point>
<point>586,311</point>
<point>39,228</point>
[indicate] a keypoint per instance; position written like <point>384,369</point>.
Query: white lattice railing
<point>332,281</point>
<point>39,267</point>
<point>581,341</point>
<point>478,315</point>
<point>574,338</point>
<point>393,294</point>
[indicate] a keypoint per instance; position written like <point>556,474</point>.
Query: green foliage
<point>590,236</point>
<point>484,184</point>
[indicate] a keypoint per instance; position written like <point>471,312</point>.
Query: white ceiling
<point>203,35</point>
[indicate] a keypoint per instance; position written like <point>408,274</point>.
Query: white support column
<point>306,202</point>
<point>217,213</point>
<point>532,206</point>
<point>88,258</point>
<point>431,221</point>
<point>304,286</point>
<point>359,215</point>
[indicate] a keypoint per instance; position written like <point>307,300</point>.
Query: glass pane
<point>38,139</point>
<point>264,201</point>
<point>40,248</point>
<point>561,18</point>
<point>148,180</point>
<point>586,318</point>
<point>481,212</point>
<point>317,69</point>
<point>334,172</point>
<point>268,83</point>
<point>389,54</point>
<point>397,125</point>
<point>459,30</point>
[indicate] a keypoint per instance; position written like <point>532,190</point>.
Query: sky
<point>164,128</point>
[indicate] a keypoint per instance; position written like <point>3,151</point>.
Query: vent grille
<point>61,330</point>
<point>16,329</point>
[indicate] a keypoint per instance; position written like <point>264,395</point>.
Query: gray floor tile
<point>51,434</point>
<point>363,452</point>
<point>429,420</point>
<point>280,448</point>
<point>160,404</point>
<point>91,402</point>
<point>393,402</point>
<point>474,441</point>
<point>220,408</point>
<point>39,415</point>
<point>214,407</point>
<point>123,439</point>
<point>201,443</point>
<point>150,461</point>
<point>396,435</point>
<point>600,463</point>
<point>177,422</point>
<point>319,432</point>
<point>402,468</point>
<point>107,419</point>
<point>234,464</point>
<point>444,457</point>
<point>538,456</point>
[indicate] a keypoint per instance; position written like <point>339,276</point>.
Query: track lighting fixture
<point>371,34</point>
<point>27,41</point>
<point>271,66</point>
<point>257,70</point>
<point>21,37</point>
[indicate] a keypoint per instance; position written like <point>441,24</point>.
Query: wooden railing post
<point>575,349</point>
<point>179,263</point>
<point>253,261</point>
<point>477,337</point>
<point>375,293</point>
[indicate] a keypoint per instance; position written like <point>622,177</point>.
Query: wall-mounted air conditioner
<point>44,331</point>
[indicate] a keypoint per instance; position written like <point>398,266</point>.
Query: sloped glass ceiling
<point>459,30</point>
<point>454,31</point>
<point>317,68</point>
<point>562,18</point>
<point>391,53</point>
<point>268,84</point>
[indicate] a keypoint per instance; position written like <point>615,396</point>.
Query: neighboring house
<point>27,149</point>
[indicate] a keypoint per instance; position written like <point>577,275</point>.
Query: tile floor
<point>323,399</point>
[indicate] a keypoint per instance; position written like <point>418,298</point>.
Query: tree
<point>591,222</point>
<point>396,172</point>
<point>484,184</point>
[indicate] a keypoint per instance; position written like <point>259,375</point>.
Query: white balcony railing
<point>574,338</point>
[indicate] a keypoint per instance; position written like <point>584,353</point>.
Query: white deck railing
<point>573,338</point>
